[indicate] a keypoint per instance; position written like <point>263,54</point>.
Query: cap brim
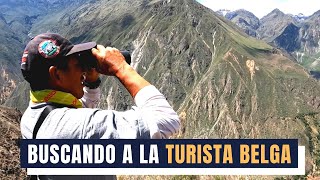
<point>81,47</point>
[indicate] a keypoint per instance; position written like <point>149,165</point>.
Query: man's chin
<point>80,95</point>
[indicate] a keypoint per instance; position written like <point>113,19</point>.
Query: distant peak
<point>277,11</point>
<point>274,13</point>
<point>300,17</point>
<point>223,12</point>
<point>246,12</point>
<point>242,10</point>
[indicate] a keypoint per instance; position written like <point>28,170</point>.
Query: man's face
<point>72,78</point>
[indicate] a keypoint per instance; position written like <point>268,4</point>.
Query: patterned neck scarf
<point>55,97</point>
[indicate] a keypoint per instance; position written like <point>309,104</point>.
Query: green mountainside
<point>222,82</point>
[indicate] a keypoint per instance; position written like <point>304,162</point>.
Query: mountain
<point>267,28</point>
<point>309,37</point>
<point>301,40</point>
<point>273,24</point>
<point>223,12</point>
<point>246,20</point>
<point>296,34</point>
<point>300,17</point>
<point>222,83</point>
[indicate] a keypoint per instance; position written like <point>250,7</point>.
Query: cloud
<point>261,7</point>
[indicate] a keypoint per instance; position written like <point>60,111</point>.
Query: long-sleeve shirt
<point>152,117</point>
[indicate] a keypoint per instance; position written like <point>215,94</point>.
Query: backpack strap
<point>36,128</point>
<point>42,117</point>
<point>48,108</point>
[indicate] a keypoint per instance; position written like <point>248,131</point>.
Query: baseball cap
<point>46,50</point>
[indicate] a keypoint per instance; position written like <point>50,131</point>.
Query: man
<point>53,67</point>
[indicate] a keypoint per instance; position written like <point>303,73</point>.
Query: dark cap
<point>46,50</point>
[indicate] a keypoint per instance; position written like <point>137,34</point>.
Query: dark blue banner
<point>170,153</point>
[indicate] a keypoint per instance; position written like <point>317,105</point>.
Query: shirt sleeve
<point>91,97</point>
<point>157,113</point>
<point>153,117</point>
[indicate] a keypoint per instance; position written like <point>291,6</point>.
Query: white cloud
<point>262,7</point>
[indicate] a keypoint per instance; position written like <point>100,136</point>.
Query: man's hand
<point>112,62</point>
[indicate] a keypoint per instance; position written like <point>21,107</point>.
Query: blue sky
<point>262,7</point>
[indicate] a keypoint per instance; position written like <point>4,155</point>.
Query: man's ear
<point>54,74</point>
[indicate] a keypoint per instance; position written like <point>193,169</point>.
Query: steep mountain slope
<point>309,38</point>
<point>19,97</point>
<point>289,38</point>
<point>222,83</point>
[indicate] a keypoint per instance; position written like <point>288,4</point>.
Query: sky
<point>261,8</point>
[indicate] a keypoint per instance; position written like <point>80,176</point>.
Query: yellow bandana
<point>55,97</point>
